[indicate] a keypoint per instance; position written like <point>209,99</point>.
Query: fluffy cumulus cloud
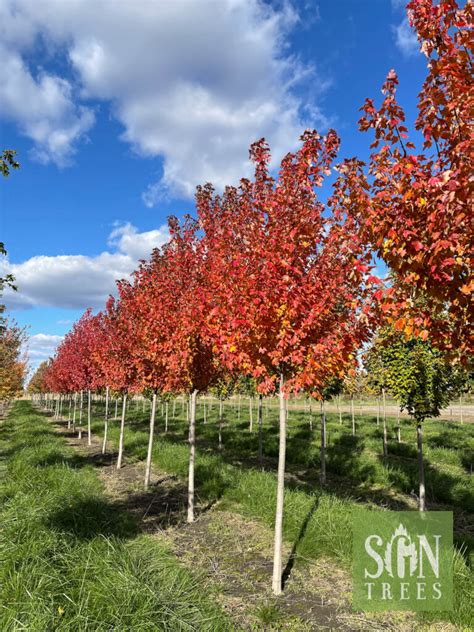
<point>41,347</point>
<point>405,38</point>
<point>77,281</point>
<point>192,83</point>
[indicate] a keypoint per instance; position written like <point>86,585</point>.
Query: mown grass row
<point>69,559</point>
<point>316,522</point>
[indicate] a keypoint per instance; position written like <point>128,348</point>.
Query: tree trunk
<point>166,415</point>
<point>260,430</point>
<point>150,442</point>
<point>122,430</point>
<point>80,416</point>
<point>399,434</point>
<point>238,410</point>
<point>106,420</point>
<point>74,413</point>
<point>89,432</point>
<point>338,400</point>
<point>385,450</point>
<point>192,455</point>
<point>221,412</point>
<point>310,416</point>
<point>116,408</point>
<point>323,445</point>
<point>353,417</point>
<point>250,414</point>
<point>69,413</point>
<point>460,408</point>
<point>421,469</point>
<point>277,557</point>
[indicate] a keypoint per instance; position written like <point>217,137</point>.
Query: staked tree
<point>421,380</point>
<point>287,291</point>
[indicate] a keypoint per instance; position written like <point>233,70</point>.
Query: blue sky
<point>118,109</point>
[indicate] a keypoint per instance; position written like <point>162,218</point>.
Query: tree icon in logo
<point>400,550</point>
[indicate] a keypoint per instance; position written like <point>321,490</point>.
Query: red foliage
<point>419,217</point>
<point>286,288</point>
<point>76,366</point>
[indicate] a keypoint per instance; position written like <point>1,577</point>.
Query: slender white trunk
<point>204,411</point>
<point>421,469</point>
<point>260,430</point>
<point>460,408</point>
<point>106,420</point>
<point>166,416</point>
<point>89,433</point>
<point>150,442</point>
<point>277,555</point>
<point>310,416</point>
<point>81,399</point>
<point>122,429</point>
<point>338,400</point>
<point>74,413</point>
<point>353,417</point>
<point>192,455</point>
<point>116,408</point>
<point>250,414</point>
<point>385,450</point>
<point>69,413</point>
<point>238,410</point>
<point>323,446</point>
<point>221,412</point>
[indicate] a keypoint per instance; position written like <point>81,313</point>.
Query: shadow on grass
<point>293,554</point>
<point>91,517</point>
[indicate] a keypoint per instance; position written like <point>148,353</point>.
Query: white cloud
<point>43,108</point>
<point>194,83</point>
<point>42,346</point>
<point>137,245</point>
<point>39,347</point>
<point>77,281</point>
<point>405,38</point>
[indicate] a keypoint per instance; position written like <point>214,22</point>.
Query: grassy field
<point>69,559</point>
<point>74,560</point>
<point>318,522</point>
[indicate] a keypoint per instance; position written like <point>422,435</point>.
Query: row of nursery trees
<point>273,283</point>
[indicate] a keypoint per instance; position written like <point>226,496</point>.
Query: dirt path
<point>232,555</point>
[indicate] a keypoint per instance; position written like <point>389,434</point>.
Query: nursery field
<point>86,548</point>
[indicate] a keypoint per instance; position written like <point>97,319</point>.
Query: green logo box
<point>402,560</point>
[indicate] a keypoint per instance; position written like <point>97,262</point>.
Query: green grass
<point>71,559</point>
<point>318,522</point>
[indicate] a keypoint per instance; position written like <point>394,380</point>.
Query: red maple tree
<point>287,291</point>
<point>418,211</point>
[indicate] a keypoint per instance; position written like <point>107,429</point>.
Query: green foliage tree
<point>419,377</point>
